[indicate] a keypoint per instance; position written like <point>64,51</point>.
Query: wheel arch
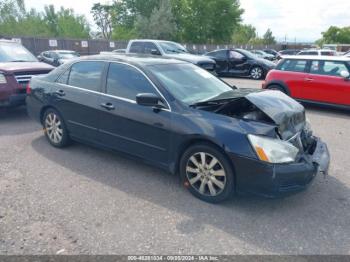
<point>44,109</point>
<point>191,141</point>
<point>279,83</point>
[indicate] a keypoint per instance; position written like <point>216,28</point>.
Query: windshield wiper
<point>220,99</point>
<point>212,102</point>
<point>172,51</point>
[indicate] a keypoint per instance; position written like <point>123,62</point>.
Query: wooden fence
<point>90,47</point>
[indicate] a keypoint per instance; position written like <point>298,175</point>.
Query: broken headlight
<point>273,150</point>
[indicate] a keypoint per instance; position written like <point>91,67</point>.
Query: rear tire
<point>256,73</point>
<point>55,129</point>
<point>207,173</point>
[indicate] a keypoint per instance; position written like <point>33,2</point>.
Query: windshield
<point>66,55</point>
<point>171,48</point>
<point>247,53</point>
<point>13,52</point>
<point>189,83</point>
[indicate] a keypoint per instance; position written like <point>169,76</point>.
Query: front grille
<point>23,78</point>
<point>296,141</point>
<point>304,141</point>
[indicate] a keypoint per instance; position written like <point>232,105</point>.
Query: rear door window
<point>309,53</point>
<point>222,54</point>
<point>235,55</point>
<point>294,65</point>
<point>330,68</point>
<point>329,53</point>
<point>87,75</point>
<point>137,47</point>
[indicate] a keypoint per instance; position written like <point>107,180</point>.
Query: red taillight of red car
<point>28,89</point>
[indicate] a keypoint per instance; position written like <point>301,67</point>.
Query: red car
<point>17,67</point>
<point>315,79</point>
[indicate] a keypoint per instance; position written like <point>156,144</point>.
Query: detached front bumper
<point>257,177</point>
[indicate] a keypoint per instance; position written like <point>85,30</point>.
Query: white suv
<point>324,52</point>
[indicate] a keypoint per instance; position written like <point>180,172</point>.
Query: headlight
<point>273,150</point>
<point>2,79</point>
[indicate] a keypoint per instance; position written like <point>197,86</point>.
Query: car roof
<point>151,40</point>
<point>3,40</point>
<point>60,51</point>
<point>134,59</point>
<point>321,57</point>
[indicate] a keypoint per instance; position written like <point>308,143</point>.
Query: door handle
<point>108,106</point>
<point>309,79</point>
<point>60,93</point>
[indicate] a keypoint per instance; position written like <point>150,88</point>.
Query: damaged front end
<point>286,136</point>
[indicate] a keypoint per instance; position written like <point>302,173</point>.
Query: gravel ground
<point>83,200</point>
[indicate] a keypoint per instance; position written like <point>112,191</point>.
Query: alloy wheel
<point>53,127</point>
<point>256,73</point>
<point>206,174</point>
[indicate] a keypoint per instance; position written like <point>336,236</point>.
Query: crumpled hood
<point>24,66</point>
<point>195,59</point>
<point>287,113</point>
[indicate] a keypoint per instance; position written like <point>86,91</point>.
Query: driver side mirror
<point>150,100</point>
<point>155,52</point>
<point>345,74</point>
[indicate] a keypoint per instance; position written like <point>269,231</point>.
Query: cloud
<point>304,20</point>
<point>300,19</point>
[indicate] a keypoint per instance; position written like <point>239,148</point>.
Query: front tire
<point>256,73</point>
<point>207,173</point>
<point>55,129</point>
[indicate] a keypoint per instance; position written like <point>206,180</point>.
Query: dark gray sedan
<point>180,117</point>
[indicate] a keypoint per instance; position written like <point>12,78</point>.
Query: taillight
<point>28,89</point>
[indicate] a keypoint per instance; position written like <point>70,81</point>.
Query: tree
<point>268,38</point>
<point>210,21</point>
<point>243,34</point>
<point>160,24</point>
<point>104,16</point>
<point>65,23</point>
<point>11,9</point>
<point>336,35</point>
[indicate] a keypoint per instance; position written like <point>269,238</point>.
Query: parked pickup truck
<point>17,67</point>
<point>169,50</point>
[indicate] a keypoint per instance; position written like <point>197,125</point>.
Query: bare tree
<point>103,16</point>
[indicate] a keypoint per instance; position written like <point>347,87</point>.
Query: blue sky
<point>300,19</point>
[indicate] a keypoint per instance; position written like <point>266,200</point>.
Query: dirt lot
<point>86,200</point>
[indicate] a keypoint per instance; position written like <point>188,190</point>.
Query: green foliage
<point>104,16</point>
<point>16,21</point>
<point>243,34</point>
<point>210,21</point>
<point>124,33</point>
<point>195,21</point>
<point>268,38</point>
<point>159,25</point>
<point>336,35</point>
